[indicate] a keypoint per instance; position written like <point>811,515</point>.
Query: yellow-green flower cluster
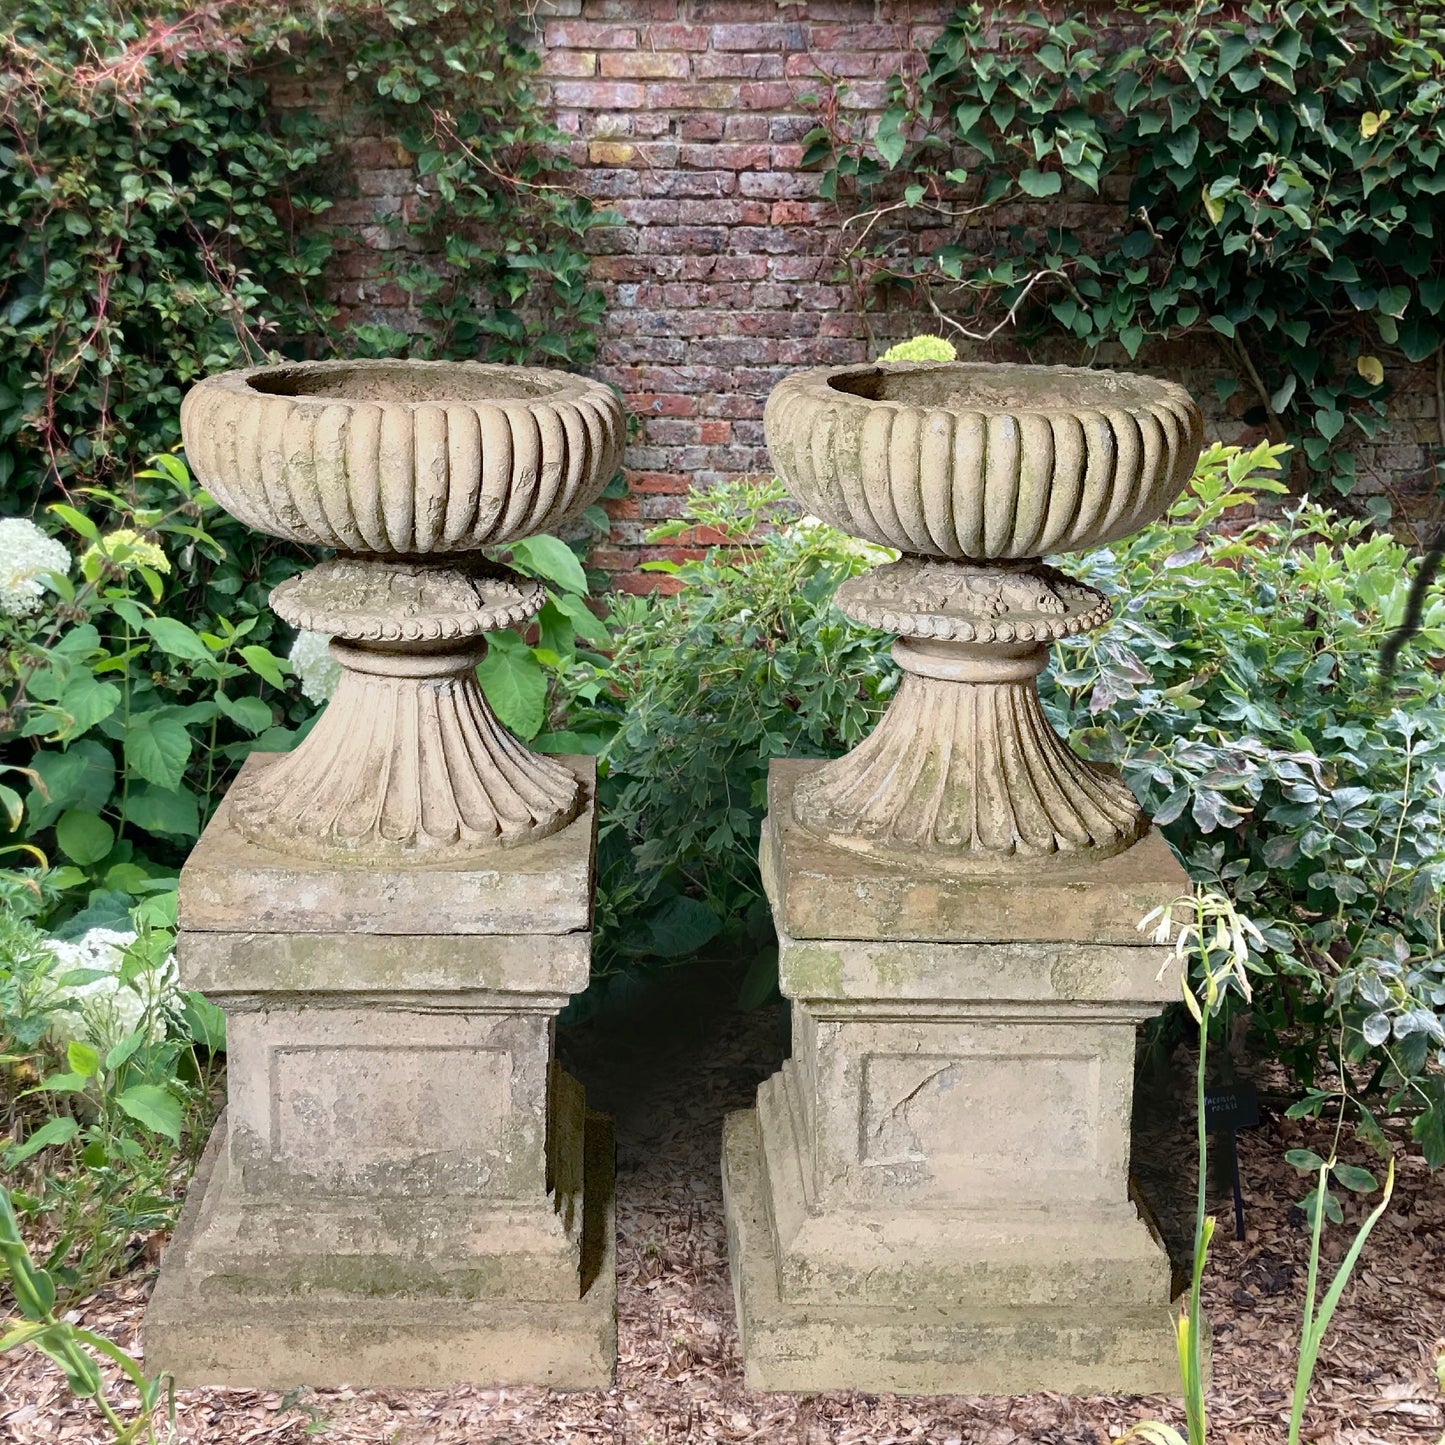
<point>124,548</point>
<point>922,348</point>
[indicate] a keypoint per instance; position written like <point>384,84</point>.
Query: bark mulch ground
<point>669,1068</point>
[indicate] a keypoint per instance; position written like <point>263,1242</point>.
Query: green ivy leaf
<point>1040,183</point>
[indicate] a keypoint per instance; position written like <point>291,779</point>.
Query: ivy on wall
<point>160,218</point>
<point>1278,169</point>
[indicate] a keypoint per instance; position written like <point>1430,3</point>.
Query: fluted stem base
<point>407,763</point>
<point>965,769</point>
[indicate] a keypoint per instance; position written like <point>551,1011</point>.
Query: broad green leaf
<point>682,926</point>
<point>82,1058</point>
<point>586,622</point>
<point>172,812</point>
<point>157,749</point>
<point>514,683</point>
<point>249,712</point>
<point>83,837</point>
<point>1305,1159</point>
<point>1040,183</point>
<point>56,1131</point>
<point>83,776</point>
<point>175,639</point>
<point>157,1108</point>
<point>1355,1179</point>
<point>205,1023</point>
<point>265,664</point>
<point>551,559</point>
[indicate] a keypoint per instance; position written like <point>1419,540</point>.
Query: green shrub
<point>1283,171</point>
<point>1236,689</point>
<point>748,662</point>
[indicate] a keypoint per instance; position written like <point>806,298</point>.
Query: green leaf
<point>83,777</point>
<point>56,1131</point>
<point>1429,1126</point>
<point>82,1059</point>
<point>88,701</point>
<point>585,622</point>
<point>204,1022</point>
<point>1040,183</point>
<point>265,664</point>
<point>514,683</point>
<point>551,559</point>
<point>84,838</point>
<point>1355,1179</point>
<point>175,639</point>
<point>157,749</point>
<point>760,982</point>
<point>171,812</point>
<point>156,1108</point>
<point>1305,1159</point>
<point>682,926</point>
<point>249,712</point>
<point>890,139</point>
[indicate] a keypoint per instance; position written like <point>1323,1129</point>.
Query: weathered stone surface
<point>399,458</point>
<point>422,1324</point>
<point>917,1346</point>
<point>933,1192</point>
<point>231,884</point>
<point>380,1100</point>
<point>396,1193</point>
<point>468,966</point>
<point>822,892</point>
<point>406,467</point>
<point>979,460</point>
<point>974,472</point>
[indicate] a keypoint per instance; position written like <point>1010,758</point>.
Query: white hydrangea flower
<point>314,665</point>
<point>105,1010</point>
<point>26,555</point>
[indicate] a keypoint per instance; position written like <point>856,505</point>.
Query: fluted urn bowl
<point>980,461</point>
<point>408,469</point>
<point>402,458</point>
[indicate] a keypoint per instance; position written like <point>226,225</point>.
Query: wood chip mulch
<point>668,1072</point>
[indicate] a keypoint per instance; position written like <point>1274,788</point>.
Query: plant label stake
<point>1227,1109</point>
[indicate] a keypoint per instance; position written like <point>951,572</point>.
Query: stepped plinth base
<point>932,1195</point>
<point>267,1333</point>
<point>925,1348</point>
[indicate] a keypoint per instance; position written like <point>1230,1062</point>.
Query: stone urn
<point>975,473</point>
<point>408,469</point>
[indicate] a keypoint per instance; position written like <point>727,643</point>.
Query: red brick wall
<point>686,119</point>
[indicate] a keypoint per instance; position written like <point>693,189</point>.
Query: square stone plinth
<point>404,1189</point>
<point>932,1194</point>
